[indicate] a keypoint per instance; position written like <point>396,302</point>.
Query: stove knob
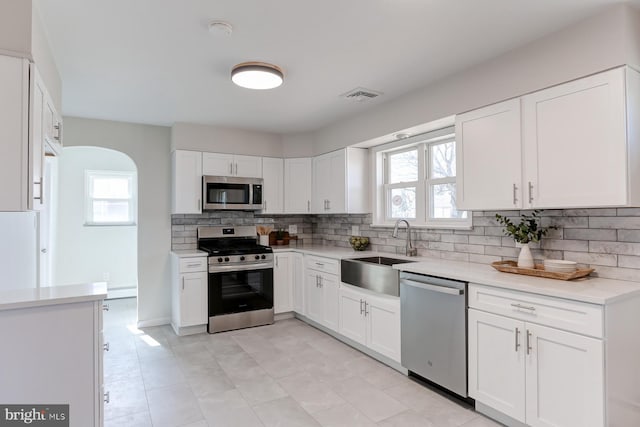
<point>219,259</point>
<point>263,256</point>
<point>241,258</point>
<point>257,256</point>
<point>226,258</point>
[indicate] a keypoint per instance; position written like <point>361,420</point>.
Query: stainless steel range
<point>240,278</point>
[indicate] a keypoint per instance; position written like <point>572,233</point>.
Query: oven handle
<point>227,268</point>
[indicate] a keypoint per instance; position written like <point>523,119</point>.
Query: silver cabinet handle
<point>193,265</point>
<point>321,280</point>
<point>319,264</point>
<point>529,342</point>
<point>317,281</point>
<point>105,307</point>
<point>236,169</point>
<point>366,313</point>
<point>308,205</point>
<point>58,128</point>
<point>106,397</point>
<point>265,205</point>
<point>183,283</point>
<point>105,346</point>
<point>530,192</point>
<point>515,194</point>
<point>517,339</point>
<point>361,309</point>
<point>230,168</point>
<point>198,204</point>
<point>41,184</point>
<point>523,307</point>
<point>430,287</point>
<point>276,262</point>
<point>44,250</point>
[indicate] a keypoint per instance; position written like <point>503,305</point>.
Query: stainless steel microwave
<point>231,193</point>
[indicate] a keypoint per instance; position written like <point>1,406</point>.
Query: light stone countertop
<point>54,295</point>
<point>189,253</point>
<point>592,290</point>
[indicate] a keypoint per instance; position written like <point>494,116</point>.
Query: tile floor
<point>286,374</point>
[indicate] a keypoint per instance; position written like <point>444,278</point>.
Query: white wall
<point>85,253</point>
<point>149,147</point>
<point>44,60</point>
<point>598,43</point>
<point>216,139</point>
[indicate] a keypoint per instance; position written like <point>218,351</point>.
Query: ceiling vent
<point>360,94</point>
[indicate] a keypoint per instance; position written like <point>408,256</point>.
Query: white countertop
<point>590,290</point>
<point>189,253</point>
<point>37,297</point>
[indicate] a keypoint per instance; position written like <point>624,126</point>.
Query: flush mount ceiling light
<point>257,75</point>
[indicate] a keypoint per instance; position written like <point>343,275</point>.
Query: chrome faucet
<point>409,249</point>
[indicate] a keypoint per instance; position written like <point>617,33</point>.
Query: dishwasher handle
<point>435,288</point>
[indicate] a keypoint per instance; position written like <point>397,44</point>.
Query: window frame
<point>424,185</point>
<point>89,221</point>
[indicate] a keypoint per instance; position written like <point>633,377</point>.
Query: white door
<point>565,379</point>
<point>217,164</point>
<point>383,320</point>
<point>187,182</point>
<point>497,362</point>
<point>297,185</point>
<point>282,289</point>
<point>247,166</point>
<point>273,190</point>
<point>575,143</point>
<point>314,301</point>
<point>298,283</point>
<point>331,301</point>
<point>352,320</point>
<point>488,157</point>
<point>193,299</point>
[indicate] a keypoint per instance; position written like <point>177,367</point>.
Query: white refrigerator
<point>19,250</point>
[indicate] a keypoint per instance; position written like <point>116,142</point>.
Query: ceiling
<point>155,61</point>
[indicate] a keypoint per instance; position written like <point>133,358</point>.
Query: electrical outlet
<point>293,229</point>
<point>355,230</point>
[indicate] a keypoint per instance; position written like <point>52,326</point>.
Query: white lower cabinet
<point>371,320</point>
<point>535,374</point>
<point>282,283</point>
<point>321,291</point>
<point>189,296</point>
<point>297,263</point>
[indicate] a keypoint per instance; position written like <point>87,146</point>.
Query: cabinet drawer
<point>573,316</point>
<point>191,265</point>
<point>326,265</point>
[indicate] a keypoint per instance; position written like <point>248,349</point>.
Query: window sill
<point>425,226</point>
<point>109,224</point>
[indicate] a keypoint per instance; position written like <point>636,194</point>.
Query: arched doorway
<point>95,220</point>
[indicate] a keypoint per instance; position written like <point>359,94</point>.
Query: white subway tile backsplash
<point>486,240</point>
<point>565,245</point>
<point>624,222</point>
<point>628,235</point>
<point>610,260</point>
<point>615,248</point>
<point>589,234</point>
<point>629,261</point>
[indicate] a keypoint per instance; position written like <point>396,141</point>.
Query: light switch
<point>293,229</point>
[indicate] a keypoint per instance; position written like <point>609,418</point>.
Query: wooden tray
<point>539,271</point>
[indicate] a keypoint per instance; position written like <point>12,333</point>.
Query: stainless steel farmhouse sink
<point>373,273</point>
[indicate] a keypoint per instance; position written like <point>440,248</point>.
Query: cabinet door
<point>497,362</point>
<point>314,302</point>
<point>273,175</point>
<point>331,300</point>
<point>193,299</point>
<point>187,182</point>
<point>37,141</point>
<point>575,150</point>
<point>247,166</point>
<point>337,182</point>
<point>383,320</point>
<point>297,185</point>
<point>352,320</point>
<point>282,286</point>
<point>217,164</point>
<point>321,183</point>
<point>488,157</point>
<point>565,379</point>
<point>298,283</point>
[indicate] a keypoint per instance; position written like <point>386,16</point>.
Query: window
<point>417,181</point>
<point>110,198</point>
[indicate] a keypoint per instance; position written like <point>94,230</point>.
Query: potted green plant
<point>280,236</point>
<point>527,231</point>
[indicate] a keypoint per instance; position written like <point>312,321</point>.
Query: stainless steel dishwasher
<point>434,330</point>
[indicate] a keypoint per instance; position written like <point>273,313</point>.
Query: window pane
<point>443,160</point>
<point>403,202</point>
<point>112,187</point>
<point>443,203</point>
<point>111,211</point>
<point>403,167</point>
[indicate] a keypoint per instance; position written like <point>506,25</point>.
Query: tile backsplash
<point>605,239</point>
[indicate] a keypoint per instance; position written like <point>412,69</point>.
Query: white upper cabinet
<point>340,182</point>
<point>273,186</point>
<point>297,185</point>
<point>578,141</point>
<point>488,156</point>
<point>576,145</point>
<point>186,191</point>
<point>231,165</point>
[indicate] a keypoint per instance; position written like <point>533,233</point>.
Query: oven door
<point>238,291</point>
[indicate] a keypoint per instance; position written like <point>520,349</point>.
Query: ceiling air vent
<point>360,94</point>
